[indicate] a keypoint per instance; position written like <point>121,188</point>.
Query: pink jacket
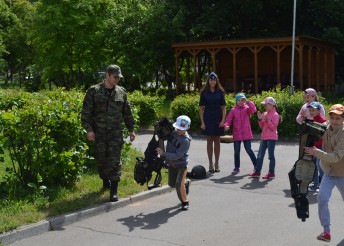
<point>239,117</point>
<point>299,118</point>
<point>269,128</point>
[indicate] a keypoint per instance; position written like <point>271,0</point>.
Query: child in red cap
<point>332,162</point>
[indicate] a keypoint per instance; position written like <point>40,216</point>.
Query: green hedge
<point>43,136</point>
<point>44,139</point>
<point>289,106</point>
<point>146,105</point>
<point>187,104</point>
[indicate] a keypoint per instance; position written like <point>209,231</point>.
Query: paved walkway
<point>224,210</point>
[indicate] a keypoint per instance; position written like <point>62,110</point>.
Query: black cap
<point>115,70</point>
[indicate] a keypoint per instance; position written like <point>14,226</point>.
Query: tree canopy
<point>71,42</point>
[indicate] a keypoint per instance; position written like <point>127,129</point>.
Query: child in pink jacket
<point>239,118</point>
<point>310,96</point>
<point>268,122</point>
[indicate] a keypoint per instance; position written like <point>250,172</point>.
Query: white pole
<point>293,52</point>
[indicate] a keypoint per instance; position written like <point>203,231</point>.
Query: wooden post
<point>301,65</point>
<point>188,72</point>
<point>177,72</point>
<point>255,51</point>
<point>309,76</point>
<point>234,51</point>
<point>213,53</point>
<point>317,68</point>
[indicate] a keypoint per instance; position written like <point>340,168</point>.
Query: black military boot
<point>106,184</point>
<point>113,191</point>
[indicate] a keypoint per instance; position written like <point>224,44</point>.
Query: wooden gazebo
<point>253,65</point>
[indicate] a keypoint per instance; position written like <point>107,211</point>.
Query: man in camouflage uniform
<point>105,106</point>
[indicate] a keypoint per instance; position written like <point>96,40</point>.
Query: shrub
<point>187,104</point>
<point>44,139</point>
<point>46,143</point>
<point>146,107</point>
<point>10,98</point>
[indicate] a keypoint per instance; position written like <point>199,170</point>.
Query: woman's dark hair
<point>218,85</point>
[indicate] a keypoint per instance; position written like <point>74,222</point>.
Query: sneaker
<point>325,236</point>
<point>269,176</point>
<point>187,186</point>
<point>313,188</point>
<point>254,174</point>
<point>185,206</point>
<point>236,171</point>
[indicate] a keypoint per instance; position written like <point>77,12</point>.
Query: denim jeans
<point>326,186</point>
<point>270,145</point>
<point>319,173</point>
<point>247,146</point>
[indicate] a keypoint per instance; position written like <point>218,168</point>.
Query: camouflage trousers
<point>108,159</point>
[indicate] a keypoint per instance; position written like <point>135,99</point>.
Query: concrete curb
<point>56,223</point>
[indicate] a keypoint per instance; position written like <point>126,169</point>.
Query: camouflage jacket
<point>103,112</point>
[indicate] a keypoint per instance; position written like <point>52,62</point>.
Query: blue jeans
<point>319,173</point>
<point>326,186</point>
<point>249,151</point>
<point>270,145</point>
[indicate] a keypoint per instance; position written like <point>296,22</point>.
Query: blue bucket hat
<point>212,75</point>
<point>240,95</point>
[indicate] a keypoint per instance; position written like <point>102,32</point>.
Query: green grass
<point>87,192</point>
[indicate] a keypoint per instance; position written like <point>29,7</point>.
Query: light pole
<point>293,52</point>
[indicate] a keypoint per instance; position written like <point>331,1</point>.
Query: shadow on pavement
<point>256,184</point>
<point>341,243</point>
<point>150,221</point>
<point>231,179</point>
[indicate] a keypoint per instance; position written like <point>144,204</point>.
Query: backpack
<point>151,162</point>
<point>141,173</point>
<point>154,162</point>
<point>301,175</point>
<point>164,128</point>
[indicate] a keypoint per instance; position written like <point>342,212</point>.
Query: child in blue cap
<point>314,109</point>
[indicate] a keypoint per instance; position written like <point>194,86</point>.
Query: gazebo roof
<point>249,42</point>
<point>260,61</point>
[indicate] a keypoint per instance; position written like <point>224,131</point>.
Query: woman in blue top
<point>212,113</point>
